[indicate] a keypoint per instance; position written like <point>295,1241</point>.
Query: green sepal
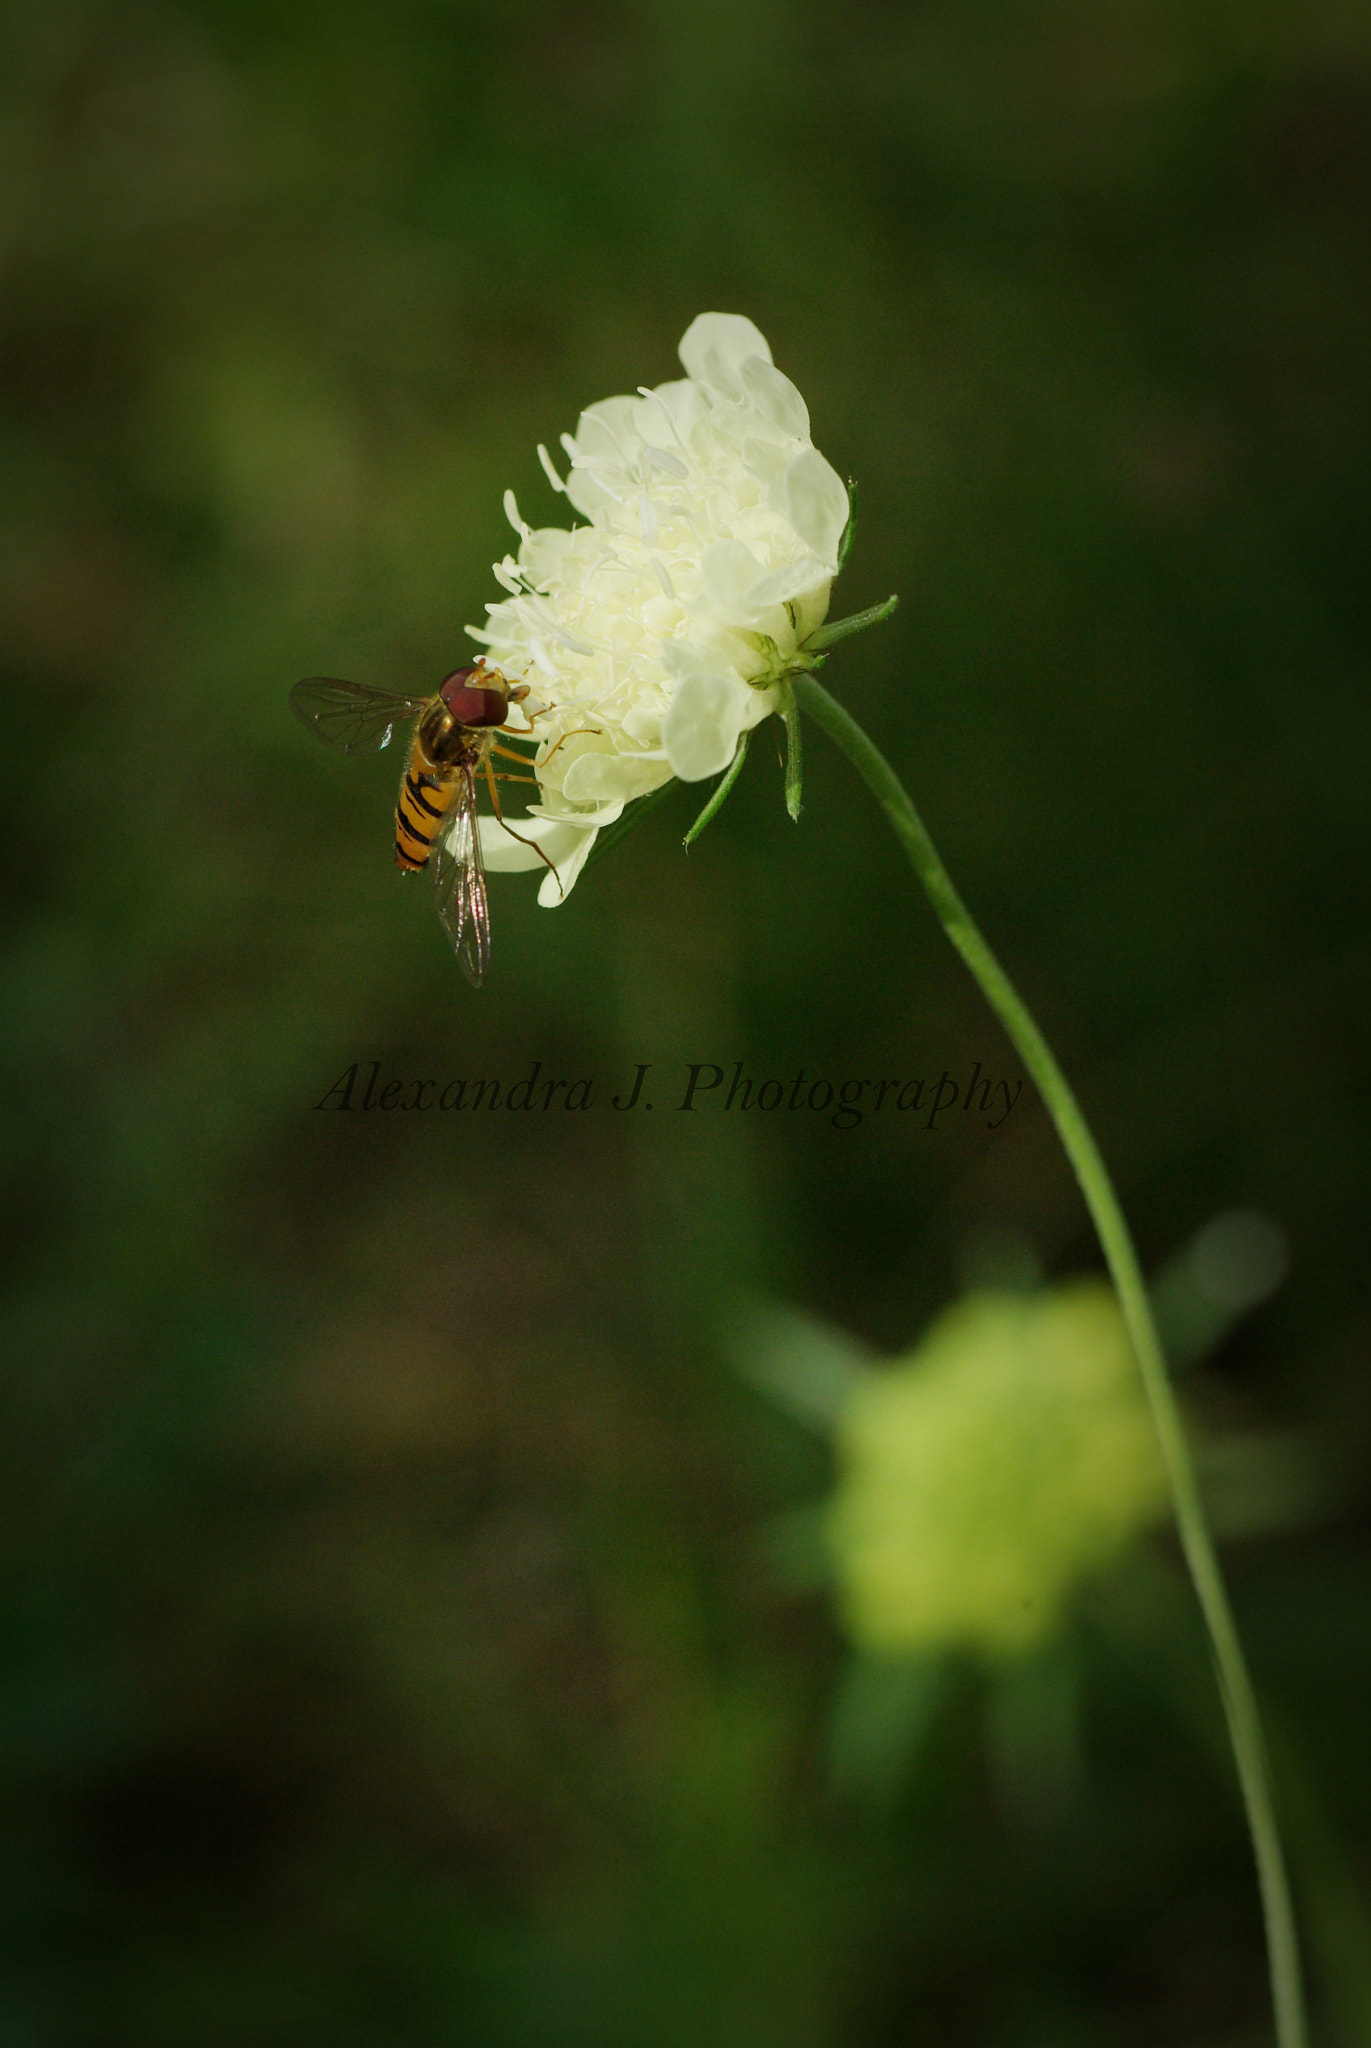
<point>842,629</point>
<point>722,787</point>
<point>794,766</point>
<point>850,530</point>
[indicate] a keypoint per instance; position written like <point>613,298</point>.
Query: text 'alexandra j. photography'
<point>968,1092</point>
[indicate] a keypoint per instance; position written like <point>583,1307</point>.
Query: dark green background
<point>397,1646</point>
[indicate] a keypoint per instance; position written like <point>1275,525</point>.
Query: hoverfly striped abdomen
<point>421,813</point>
<point>444,754</point>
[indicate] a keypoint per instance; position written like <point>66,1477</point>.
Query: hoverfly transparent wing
<point>349,716</point>
<point>459,884</point>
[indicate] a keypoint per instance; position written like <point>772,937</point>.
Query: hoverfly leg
<point>495,800</point>
<point>594,730</point>
<point>517,696</point>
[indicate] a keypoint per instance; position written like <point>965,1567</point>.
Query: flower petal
<point>775,397</point>
<point>596,777</point>
<point>735,583</point>
<point>568,858</point>
<point>709,710</point>
<point>815,503</point>
<point>666,415</point>
<point>559,839</point>
<point>728,574</point>
<point>796,580</point>
<point>714,348</point>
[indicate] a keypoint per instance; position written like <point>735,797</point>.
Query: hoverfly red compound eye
<point>469,702</point>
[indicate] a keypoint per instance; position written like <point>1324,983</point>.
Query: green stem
<point>1235,1684</point>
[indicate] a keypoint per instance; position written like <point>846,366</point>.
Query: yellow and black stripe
<point>425,801</point>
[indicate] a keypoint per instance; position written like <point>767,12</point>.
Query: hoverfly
<point>435,817</point>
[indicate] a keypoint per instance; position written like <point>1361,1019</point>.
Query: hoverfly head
<point>468,695</point>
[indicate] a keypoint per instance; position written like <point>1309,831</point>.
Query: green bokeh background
<point>411,1637</point>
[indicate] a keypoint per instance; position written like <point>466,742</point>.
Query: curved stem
<point>1235,1684</point>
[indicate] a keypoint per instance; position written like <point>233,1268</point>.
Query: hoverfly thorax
<point>445,741</point>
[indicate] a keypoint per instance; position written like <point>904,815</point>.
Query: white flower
<point>658,633</point>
